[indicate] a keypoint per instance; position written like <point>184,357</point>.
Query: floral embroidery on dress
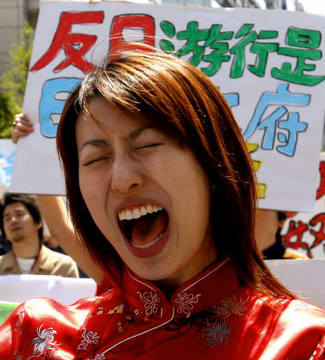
<point>117,310</point>
<point>185,303</point>
<point>98,357</point>
<point>89,337</point>
<point>221,311</point>
<point>216,333</point>
<point>150,300</point>
<point>231,306</point>
<point>44,341</point>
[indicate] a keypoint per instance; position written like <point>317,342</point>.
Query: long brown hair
<point>176,96</point>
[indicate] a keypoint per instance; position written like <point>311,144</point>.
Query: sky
<point>314,6</point>
<point>310,6</point>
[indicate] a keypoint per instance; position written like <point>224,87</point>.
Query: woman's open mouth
<point>145,229</point>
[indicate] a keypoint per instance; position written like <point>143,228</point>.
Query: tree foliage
<point>8,109</point>
<point>13,80</point>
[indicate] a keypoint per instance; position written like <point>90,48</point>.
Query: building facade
<point>13,14</point>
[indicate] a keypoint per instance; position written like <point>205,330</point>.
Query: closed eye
<point>148,146</point>
<point>87,163</point>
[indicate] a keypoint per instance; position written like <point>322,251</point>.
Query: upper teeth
<point>137,212</point>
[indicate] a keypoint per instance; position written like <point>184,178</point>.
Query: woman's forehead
<point>106,121</point>
<point>101,116</point>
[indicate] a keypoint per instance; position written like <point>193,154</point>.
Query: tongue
<point>148,228</point>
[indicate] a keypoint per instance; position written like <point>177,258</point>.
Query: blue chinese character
<point>51,105</point>
<point>232,99</point>
<point>269,124</point>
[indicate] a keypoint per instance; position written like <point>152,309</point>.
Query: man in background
<point>21,224</point>
<point>4,245</point>
<point>268,227</point>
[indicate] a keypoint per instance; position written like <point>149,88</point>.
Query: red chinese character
<point>75,45</point>
<point>135,22</point>
<point>319,235</point>
<point>290,214</point>
<point>297,229</point>
<point>321,188</point>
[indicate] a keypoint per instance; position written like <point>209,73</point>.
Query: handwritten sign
<point>305,232</point>
<point>7,158</point>
<point>269,65</point>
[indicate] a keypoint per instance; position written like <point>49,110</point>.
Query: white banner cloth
<point>19,288</point>
<point>305,278</point>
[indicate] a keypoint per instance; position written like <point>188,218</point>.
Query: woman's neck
<point>170,285</point>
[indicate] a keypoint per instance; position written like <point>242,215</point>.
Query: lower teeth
<point>145,246</point>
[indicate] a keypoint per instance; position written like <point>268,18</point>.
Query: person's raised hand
<point>22,127</point>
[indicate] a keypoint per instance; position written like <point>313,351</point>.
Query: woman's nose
<point>126,175</point>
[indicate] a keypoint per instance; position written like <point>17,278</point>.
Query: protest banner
<point>269,65</point>
<point>15,289</point>
<point>302,277</point>
<point>305,232</point>
<point>7,158</point>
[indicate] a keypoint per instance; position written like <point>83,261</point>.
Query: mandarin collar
<point>203,291</point>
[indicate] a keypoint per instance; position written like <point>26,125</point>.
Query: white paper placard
<point>268,63</point>
<point>305,232</point>
<point>7,159</point>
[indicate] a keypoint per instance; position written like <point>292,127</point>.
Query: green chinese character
<point>304,38</point>
<point>217,56</point>
<point>262,50</point>
<point>169,29</point>
<point>307,41</point>
<point>238,65</point>
<point>193,36</point>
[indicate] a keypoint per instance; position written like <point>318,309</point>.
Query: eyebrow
<point>101,142</point>
<point>94,142</point>
<point>134,134</point>
<point>17,211</point>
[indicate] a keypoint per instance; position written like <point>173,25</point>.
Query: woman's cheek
<point>157,164</point>
<point>87,189</point>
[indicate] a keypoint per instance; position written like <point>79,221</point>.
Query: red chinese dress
<point>209,317</point>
